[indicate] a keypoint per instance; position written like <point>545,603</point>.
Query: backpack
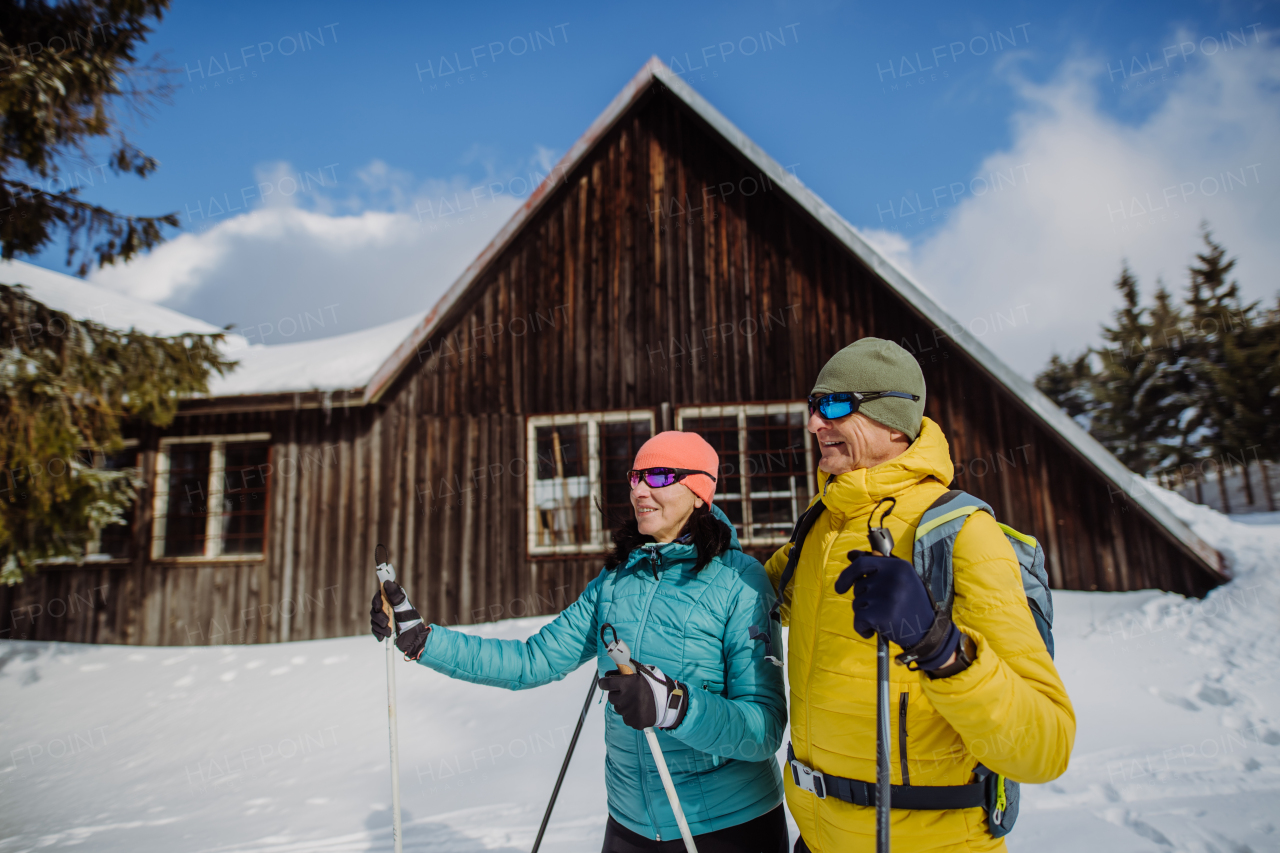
<point>936,534</point>
<point>931,555</point>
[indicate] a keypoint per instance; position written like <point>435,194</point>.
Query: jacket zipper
<point>655,560</point>
<point>903,698</point>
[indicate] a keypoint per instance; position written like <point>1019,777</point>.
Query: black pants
<point>765,834</point>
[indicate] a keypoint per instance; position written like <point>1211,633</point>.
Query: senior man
<point>982,696</point>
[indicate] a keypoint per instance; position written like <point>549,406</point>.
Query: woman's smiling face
<point>662,513</point>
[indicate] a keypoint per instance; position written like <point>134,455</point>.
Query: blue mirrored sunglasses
<point>845,403</point>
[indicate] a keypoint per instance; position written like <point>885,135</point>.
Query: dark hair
<point>711,537</point>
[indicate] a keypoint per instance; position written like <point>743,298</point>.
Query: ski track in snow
<point>283,748</point>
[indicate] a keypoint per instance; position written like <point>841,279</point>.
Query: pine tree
<point>1250,389</point>
<point>1177,385</point>
<point>1126,394</point>
<point>66,385</point>
<point>1069,383</point>
<point>68,68</point>
<point>1219,341</point>
<point>1170,391</point>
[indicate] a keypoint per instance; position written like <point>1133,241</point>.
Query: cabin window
<point>766,464</point>
<point>576,462</point>
<point>211,496</point>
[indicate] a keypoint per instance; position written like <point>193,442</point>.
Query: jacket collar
<point>671,553</point>
<point>854,493</point>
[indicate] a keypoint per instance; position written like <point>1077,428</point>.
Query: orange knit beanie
<point>674,449</point>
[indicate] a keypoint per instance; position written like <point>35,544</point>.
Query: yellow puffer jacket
<point>1009,710</point>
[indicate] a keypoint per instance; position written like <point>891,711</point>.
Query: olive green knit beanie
<point>874,364</point>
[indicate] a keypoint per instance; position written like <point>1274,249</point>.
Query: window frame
<point>213,521</point>
<point>743,411</point>
<point>595,478</point>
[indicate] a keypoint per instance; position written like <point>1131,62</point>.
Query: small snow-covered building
<point>227,488</point>
<point>668,274</point>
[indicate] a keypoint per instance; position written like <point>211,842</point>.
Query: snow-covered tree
<point>66,386</point>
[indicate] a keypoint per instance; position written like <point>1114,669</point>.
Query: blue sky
<point>354,119</point>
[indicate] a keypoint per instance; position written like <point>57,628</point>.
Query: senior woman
<point>682,594</point>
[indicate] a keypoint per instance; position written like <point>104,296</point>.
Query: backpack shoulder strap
<point>798,533</point>
<point>936,532</point>
<point>935,541</point>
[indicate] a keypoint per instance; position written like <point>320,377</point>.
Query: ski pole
<point>555,792</point>
<point>387,572</point>
<point>881,541</point>
<point>621,656</point>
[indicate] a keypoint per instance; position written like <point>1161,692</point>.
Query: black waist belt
<point>933,797</point>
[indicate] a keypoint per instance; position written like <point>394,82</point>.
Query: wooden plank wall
<point>615,294</point>
<point>662,270</point>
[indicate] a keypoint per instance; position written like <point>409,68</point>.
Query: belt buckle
<point>808,779</point>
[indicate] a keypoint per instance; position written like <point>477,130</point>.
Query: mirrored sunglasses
<point>658,478</point>
<point>845,403</point>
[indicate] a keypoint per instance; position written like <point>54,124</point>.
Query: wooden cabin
<point>668,274</point>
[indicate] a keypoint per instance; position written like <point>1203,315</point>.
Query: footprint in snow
<point>1180,701</point>
<point>1215,695</point>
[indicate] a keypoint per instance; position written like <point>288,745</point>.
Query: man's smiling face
<point>854,441</point>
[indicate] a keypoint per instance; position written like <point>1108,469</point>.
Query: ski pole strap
<point>916,797</point>
<point>798,533</point>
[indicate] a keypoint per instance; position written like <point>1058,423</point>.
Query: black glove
<point>889,599</point>
<point>646,698</point>
<point>412,632</point>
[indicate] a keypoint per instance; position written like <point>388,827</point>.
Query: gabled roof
<point>655,70</point>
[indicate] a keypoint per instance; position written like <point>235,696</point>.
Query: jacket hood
<point>855,491</point>
<point>672,551</point>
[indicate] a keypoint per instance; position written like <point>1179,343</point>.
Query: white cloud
<point>1080,192</point>
<point>277,270</point>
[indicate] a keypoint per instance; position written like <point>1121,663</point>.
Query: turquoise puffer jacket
<point>695,627</point>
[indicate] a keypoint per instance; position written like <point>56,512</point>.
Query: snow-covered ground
<point>283,748</point>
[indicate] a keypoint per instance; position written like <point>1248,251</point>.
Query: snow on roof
<point>85,301</point>
<point>329,364</point>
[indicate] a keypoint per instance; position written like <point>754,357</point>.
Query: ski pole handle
<point>386,572</point>
<point>617,650</point>
<point>881,541</point>
<point>879,538</point>
<point>386,608</point>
